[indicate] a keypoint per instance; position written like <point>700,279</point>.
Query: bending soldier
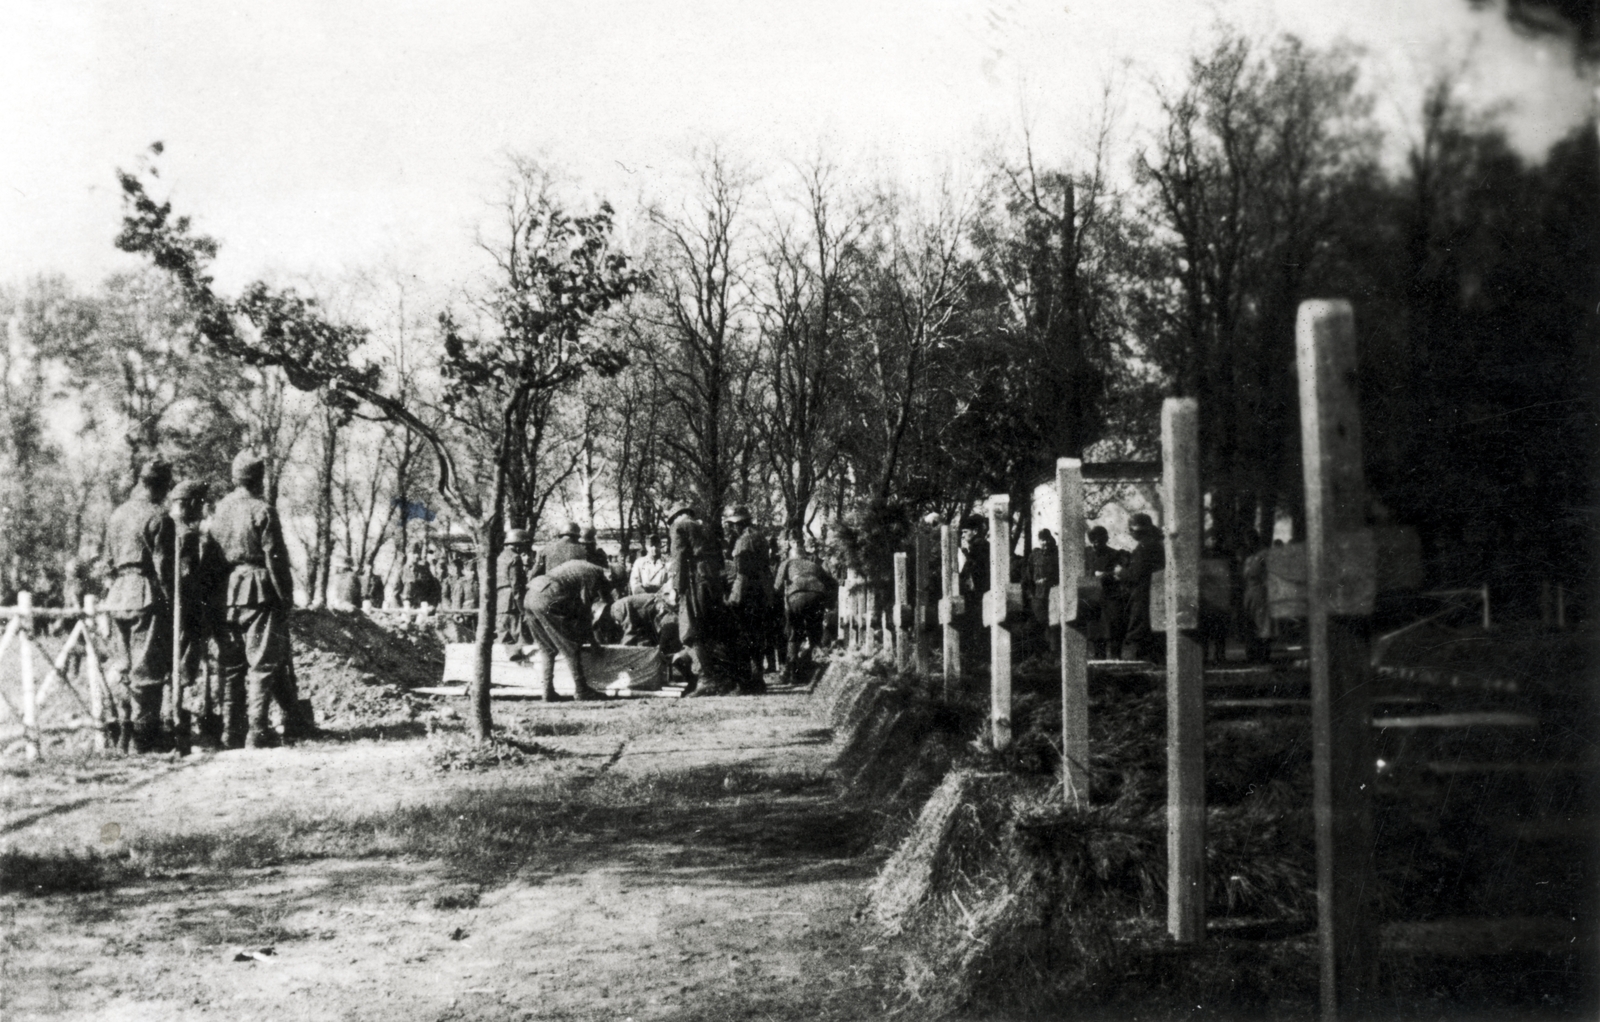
<point>253,637</point>
<point>139,539</point>
<point>807,591</point>
<point>561,617</point>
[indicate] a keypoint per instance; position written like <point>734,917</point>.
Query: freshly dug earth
<point>356,672</point>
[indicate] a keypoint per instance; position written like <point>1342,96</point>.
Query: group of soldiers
<point>226,581</point>
<point>724,613</point>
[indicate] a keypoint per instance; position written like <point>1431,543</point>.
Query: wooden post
<point>1074,644</point>
<point>902,611</point>
<point>920,654</point>
<point>873,641</point>
<point>950,585</point>
<point>91,666</point>
<point>30,707</point>
<point>999,632</point>
<point>1339,549</point>
<point>1186,709</point>
<point>175,703</point>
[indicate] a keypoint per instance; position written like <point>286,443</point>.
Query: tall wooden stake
<point>1341,571</point>
<point>30,704</point>
<point>1074,644</point>
<point>998,601</point>
<point>902,611</point>
<point>1186,709</point>
<point>920,654</point>
<point>948,612</point>
<point>91,666</point>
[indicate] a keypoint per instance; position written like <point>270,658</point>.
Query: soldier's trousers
<point>806,614</point>
<point>252,659</point>
<point>556,631</point>
<point>144,660</point>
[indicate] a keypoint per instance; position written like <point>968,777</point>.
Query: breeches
<point>253,662</point>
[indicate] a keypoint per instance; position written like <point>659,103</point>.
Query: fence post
<point>919,623</point>
<point>91,664</point>
<point>902,611</point>
<point>997,604</point>
<point>30,714</point>
<point>949,608</point>
<point>1074,644</point>
<point>1341,572</point>
<point>1186,709</point>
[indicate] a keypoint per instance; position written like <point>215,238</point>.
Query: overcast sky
<point>323,135</point>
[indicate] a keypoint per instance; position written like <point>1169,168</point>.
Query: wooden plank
<point>30,705</point>
<point>922,656</point>
<point>902,610</point>
<point>951,587</point>
<point>999,630</point>
<point>1074,644</point>
<point>1343,769</point>
<point>1182,514</point>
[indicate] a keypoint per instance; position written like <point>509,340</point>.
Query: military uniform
<point>645,619</point>
<point>510,587</point>
<point>559,614</point>
<point>139,544</point>
<point>749,589</point>
<point>558,553</point>
<point>807,591</point>
<point>253,637</point>
<point>704,625</point>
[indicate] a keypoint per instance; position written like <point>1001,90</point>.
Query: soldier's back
<point>236,526</point>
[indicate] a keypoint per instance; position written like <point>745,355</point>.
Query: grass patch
<point>63,872</point>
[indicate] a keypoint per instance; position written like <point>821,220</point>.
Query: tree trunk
<point>488,537</point>
<point>323,554</point>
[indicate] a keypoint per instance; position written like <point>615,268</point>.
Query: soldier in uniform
<point>592,551</point>
<point>565,548</point>
<point>198,561</point>
<point>807,591</point>
<point>695,581</point>
<point>511,586</point>
<point>749,583</point>
<point>1147,558</point>
<point>560,606</point>
<point>253,634</point>
<point>139,540</point>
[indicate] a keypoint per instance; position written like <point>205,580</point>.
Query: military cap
<point>572,531</point>
<point>680,508</point>
<point>248,467</point>
<point>517,537</point>
<point>738,514</point>
<point>189,489</point>
<point>156,470</point>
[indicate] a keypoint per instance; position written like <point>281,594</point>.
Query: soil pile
<point>356,672</point>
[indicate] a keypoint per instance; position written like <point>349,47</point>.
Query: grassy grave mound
<point>356,672</point>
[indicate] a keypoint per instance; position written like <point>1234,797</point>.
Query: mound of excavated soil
<point>356,672</point>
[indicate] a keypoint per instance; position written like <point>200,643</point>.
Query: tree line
<point>825,350</point>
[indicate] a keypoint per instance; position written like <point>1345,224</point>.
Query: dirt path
<point>695,863</point>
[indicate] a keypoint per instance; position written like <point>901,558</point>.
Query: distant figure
<point>974,577</point>
<point>372,590</point>
<point>199,575</point>
<point>1149,557</point>
<point>695,581</point>
<point>348,592</point>
<point>139,546</point>
<point>808,592</point>
<point>565,548</point>
<point>1043,570</point>
<point>649,573</point>
<point>749,583</point>
<point>1107,623</point>
<point>1257,612</point>
<point>511,587</point>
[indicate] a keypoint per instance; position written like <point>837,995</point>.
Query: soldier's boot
<point>259,735</point>
<point>582,692</point>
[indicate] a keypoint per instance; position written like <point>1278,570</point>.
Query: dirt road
<point>648,860</point>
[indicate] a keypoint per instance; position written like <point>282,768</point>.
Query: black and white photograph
<point>703,511</point>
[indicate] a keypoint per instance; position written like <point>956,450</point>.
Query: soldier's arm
<point>276,554</point>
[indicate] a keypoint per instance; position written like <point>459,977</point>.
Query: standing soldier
<point>510,587</point>
<point>195,561</point>
<point>749,582</point>
<point>253,637</point>
<point>695,582</point>
<point>567,547</point>
<point>139,541</point>
<point>592,551</point>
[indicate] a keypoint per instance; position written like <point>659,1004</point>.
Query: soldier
<point>372,589</point>
<point>749,582</point>
<point>253,638</point>
<point>511,587</point>
<point>1043,570</point>
<point>1147,558</point>
<point>560,606</point>
<point>643,620</point>
<point>197,561</point>
<point>807,591</point>
<point>695,582</point>
<point>1104,625</point>
<point>565,548</point>
<point>139,539</point>
<point>592,552</point>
